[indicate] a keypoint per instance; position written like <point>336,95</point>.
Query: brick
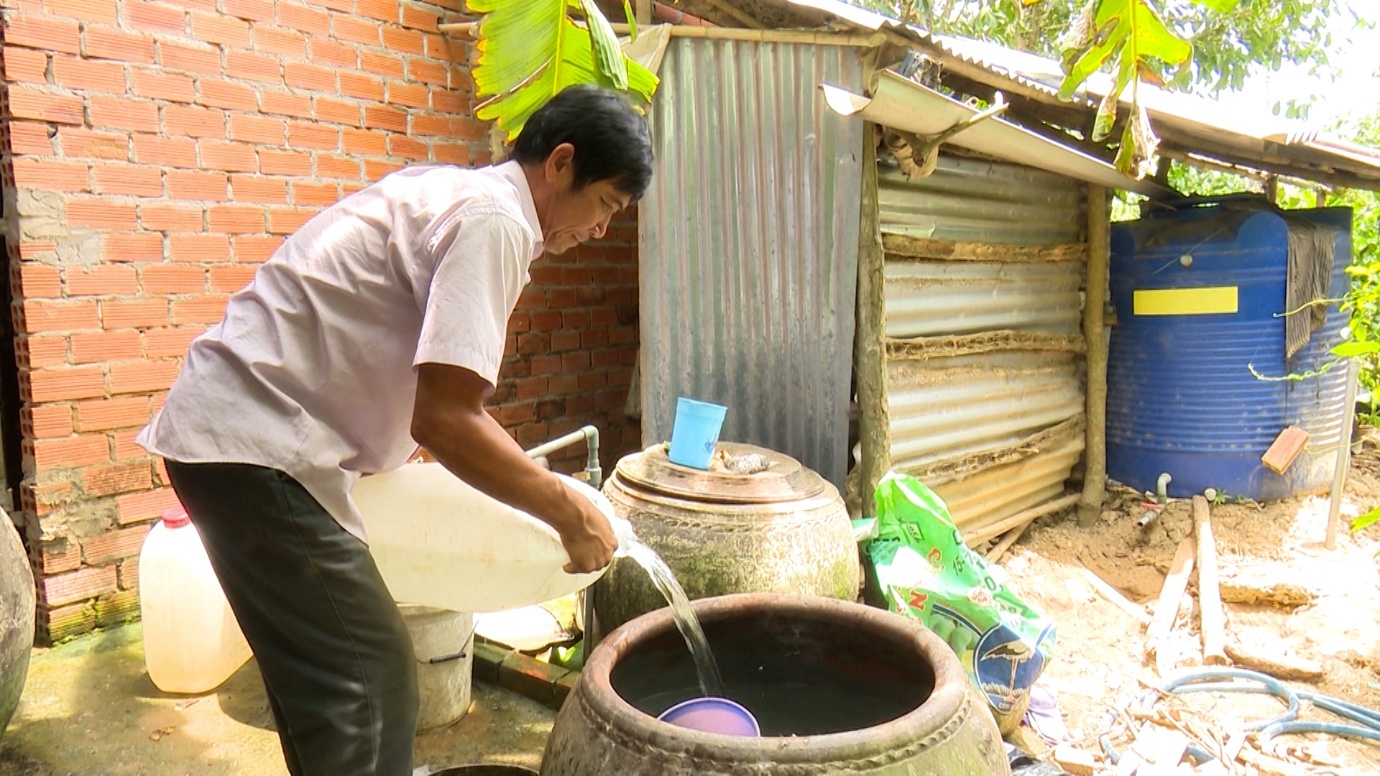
<point>108,481</point>
<point>427,72</point>
<point>254,249</point>
<point>331,54</point>
<point>364,142</point>
<point>251,188</point>
<point>29,103</point>
<point>252,128</point>
<point>154,17</point>
<point>344,112</point>
<point>1285,449</point>
<point>45,316</point>
<point>308,194</point>
<point>237,219</point>
<point>285,104</point>
<point>288,220</point>
<point>101,280</point>
<point>291,163</point>
<point>382,64</point>
<point>216,93</point>
<point>410,95</point>
<point>63,622</point>
<point>199,185</point>
<point>231,157</point>
<point>229,278</point>
<point>173,278</point>
<point>308,20</point>
<point>206,310</point>
<point>384,117</point>
<point>253,10</point>
<point>39,280</point>
<point>170,343</point>
<point>39,352</point>
<point>161,217</point>
<point>191,58</point>
<point>419,18</point>
<point>79,585</point>
<point>383,10</point>
<point>106,414</point>
<point>89,75</point>
<point>25,66</point>
<point>309,77</point>
<point>361,87</point>
<point>142,377</point>
<point>255,67</point>
<point>103,11</point>
<point>59,555</point>
<point>164,151</point>
<point>34,32</point>
<point>71,452</point>
<point>303,134</point>
<point>30,137</point>
<point>186,121</point>
<point>98,347</point>
<point>47,385</point>
<point>446,101</point>
<point>345,27</point>
<point>133,313</point>
<point>338,167</point>
<point>406,148</point>
<point>105,43</point>
<point>138,507</point>
<point>124,113</point>
<point>199,248</point>
<point>129,576</point>
<point>452,153</point>
<point>135,181</point>
<point>143,246</point>
<point>214,28</point>
<point>159,85</point>
<point>282,43</point>
<point>403,40</point>
<point>51,176</point>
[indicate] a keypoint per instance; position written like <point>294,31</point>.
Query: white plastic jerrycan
<point>192,642</point>
<point>439,542</point>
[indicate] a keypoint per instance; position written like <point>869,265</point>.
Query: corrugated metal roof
<point>748,243</point>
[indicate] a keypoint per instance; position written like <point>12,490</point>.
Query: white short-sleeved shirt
<point>313,369</point>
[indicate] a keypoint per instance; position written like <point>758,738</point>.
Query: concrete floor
<point>89,709</point>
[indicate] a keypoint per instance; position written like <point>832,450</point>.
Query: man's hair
<point>611,140</point>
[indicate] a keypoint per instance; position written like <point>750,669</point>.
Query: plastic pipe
<point>590,435</point>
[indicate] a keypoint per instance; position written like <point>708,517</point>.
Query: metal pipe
<point>590,435</point>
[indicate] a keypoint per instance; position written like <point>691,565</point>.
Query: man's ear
<point>560,164</point>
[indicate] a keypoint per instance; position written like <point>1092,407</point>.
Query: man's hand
<point>589,540</point>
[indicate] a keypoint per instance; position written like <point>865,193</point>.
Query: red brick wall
<point>155,153</point>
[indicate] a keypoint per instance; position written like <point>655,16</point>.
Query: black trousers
<point>334,652</point>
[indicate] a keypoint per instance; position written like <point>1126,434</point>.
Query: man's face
<point>578,215</point>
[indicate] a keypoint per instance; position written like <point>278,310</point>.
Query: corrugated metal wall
<point>748,246</point>
<point>983,345</point>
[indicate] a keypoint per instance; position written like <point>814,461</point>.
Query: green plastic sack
<point>926,572</point>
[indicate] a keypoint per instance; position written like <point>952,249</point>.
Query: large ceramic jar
<point>783,529</point>
<point>836,688</point>
<point>16,618</point>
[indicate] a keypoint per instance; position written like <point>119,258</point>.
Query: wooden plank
<point>869,343</point>
<point>1114,596</point>
<point>1278,665</point>
<point>1213,621</point>
<point>1094,303</point>
<point>906,246</point>
<point>1285,449</point>
<point>980,534</point>
<point>1171,593</point>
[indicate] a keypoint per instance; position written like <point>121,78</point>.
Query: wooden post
<point>1171,594</point>
<point>643,13</point>
<point>1334,504</point>
<point>1095,454</point>
<point>869,341</point>
<point>1213,622</point>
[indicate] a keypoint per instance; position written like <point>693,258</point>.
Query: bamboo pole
<point>1334,504</point>
<point>869,341</point>
<point>1095,457</point>
<point>861,40</point>
<point>1213,621</point>
<point>983,533</point>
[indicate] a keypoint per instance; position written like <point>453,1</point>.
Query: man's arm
<point>449,420</point>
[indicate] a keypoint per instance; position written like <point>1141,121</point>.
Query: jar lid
<point>774,477</point>
<point>175,517</point>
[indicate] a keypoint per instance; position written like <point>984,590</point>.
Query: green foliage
<point>530,51</point>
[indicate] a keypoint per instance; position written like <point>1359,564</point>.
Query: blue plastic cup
<point>713,715</point>
<point>695,432</point>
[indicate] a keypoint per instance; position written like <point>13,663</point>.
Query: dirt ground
<point>1101,658</point>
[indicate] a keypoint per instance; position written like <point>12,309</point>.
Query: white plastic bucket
<point>439,542</point>
<point>192,642</point>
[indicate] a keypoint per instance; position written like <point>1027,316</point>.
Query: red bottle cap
<point>176,517</point>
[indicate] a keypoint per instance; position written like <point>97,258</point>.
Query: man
<point>378,326</point>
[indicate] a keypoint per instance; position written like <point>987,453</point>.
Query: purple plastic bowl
<point>713,715</point>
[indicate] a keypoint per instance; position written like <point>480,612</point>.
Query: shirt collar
<point>512,171</point>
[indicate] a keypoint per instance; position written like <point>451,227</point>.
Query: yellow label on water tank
<point>1214,300</point>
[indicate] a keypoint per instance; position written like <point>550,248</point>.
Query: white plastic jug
<point>439,542</point>
<point>192,642</point>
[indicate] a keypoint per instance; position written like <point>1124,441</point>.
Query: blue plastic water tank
<point>1200,300</point>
